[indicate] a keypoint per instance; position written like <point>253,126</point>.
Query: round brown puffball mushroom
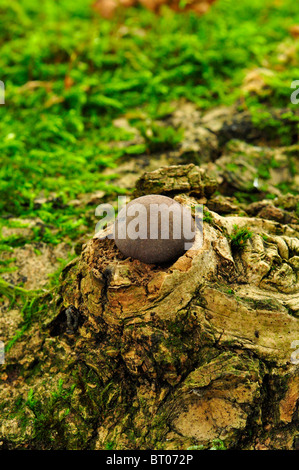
<point>154,229</point>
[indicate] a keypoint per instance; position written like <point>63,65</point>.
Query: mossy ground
<point>70,76</point>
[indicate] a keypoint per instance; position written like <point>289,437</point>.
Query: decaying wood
<point>166,357</point>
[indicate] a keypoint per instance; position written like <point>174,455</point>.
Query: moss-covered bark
<point>196,354</point>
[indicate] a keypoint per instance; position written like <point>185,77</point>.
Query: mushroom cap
<point>154,229</point>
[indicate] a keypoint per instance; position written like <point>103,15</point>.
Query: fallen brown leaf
<point>294,31</point>
<point>107,8</point>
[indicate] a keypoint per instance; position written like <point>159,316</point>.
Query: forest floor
<point>92,103</point>
<point>84,93</point>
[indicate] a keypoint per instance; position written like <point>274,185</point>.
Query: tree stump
<point>197,354</point>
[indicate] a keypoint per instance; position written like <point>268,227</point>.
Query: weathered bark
<point>196,353</point>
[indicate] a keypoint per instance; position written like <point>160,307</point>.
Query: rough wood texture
<point>185,355</point>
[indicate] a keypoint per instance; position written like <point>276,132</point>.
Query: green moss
<point>246,198</point>
<point>263,171</point>
<point>262,304</point>
<point>286,188</point>
<point>49,422</point>
<point>232,167</point>
<point>239,237</point>
<point>109,445</point>
<point>218,444</point>
<point>160,138</point>
<point>196,447</point>
<point>230,291</point>
<point>270,196</point>
<point>54,88</point>
<point>207,217</point>
<point>33,304</point>
<point>281,129</point>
